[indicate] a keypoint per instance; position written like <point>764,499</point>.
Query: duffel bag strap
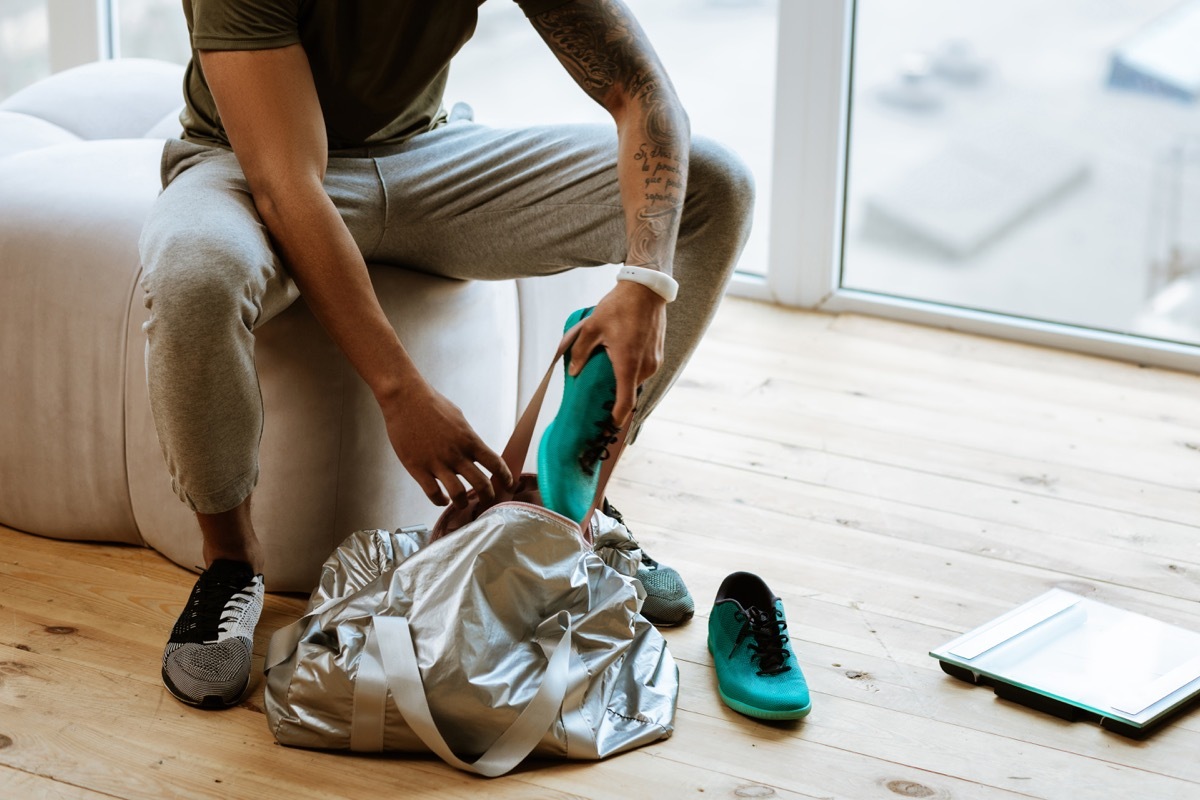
<point>390,646</point>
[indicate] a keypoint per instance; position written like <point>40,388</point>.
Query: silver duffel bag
<point>506,637</point>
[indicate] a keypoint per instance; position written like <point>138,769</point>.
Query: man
<point>315,141</point>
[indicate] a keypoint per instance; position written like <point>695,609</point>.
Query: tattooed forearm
<point>608,55</point>
<point>652,228</point>
<point>663,181</point>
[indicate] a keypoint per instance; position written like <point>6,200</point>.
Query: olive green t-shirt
<point>379,65</point>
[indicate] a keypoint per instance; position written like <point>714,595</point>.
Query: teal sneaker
<point>757,674</point>
<point>668,602</point>
<point>578,438</point>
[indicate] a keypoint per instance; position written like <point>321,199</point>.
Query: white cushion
<point>169,127</point>
<point>70,216</point>
<point>20,132</point>
<point>120,99</point>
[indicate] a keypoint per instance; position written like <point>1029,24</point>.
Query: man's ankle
<point>230,535</point>
<point>254,560</point>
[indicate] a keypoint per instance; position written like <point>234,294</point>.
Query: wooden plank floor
<point>895,485</point>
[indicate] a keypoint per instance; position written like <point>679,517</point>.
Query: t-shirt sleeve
<point>244,24</point>
<point>534,7</point>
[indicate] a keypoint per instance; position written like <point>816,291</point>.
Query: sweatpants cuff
<point>227,497</point>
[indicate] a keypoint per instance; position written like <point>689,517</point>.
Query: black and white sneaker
<point>207,660</point>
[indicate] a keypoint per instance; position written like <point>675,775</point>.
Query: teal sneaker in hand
<point>757,673</point>
<point>578,438</point>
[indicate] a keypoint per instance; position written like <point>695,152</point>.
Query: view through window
<point>152,29</point>
<point>1029,158</point>
<point>24,44</point>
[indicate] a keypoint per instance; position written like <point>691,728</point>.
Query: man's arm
<point>607,53</point>
<point>269,107</point>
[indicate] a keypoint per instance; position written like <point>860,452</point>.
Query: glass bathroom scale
<point>1080,659</point>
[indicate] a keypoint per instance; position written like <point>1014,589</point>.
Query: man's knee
<point>719,175</point>
<point>719,208</point>
<point>203,278</point>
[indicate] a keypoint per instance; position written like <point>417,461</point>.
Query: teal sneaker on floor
<point>668,602</point>
<point>578,438</point>
<point>757,673</point>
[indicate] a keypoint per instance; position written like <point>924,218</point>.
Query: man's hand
<point>435,444</point>
<point>629,322</point>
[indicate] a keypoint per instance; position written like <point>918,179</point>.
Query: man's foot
<point>207,659</point>
<point>668,601</point>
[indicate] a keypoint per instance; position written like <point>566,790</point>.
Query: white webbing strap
<point>285,640</point>
<point>389,642</point>
<point>370,698</point>
<point>576,728</point>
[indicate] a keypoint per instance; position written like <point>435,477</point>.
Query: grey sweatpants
<point>463,201</point>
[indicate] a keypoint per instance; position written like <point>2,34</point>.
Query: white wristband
<point>660,283</point>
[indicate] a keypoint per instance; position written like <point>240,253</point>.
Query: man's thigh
<point>204,246</point>
<point>204,233</point>
<point>473,202</point>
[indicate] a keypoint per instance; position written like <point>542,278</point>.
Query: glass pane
<point>24,44</point>
<point>720,55</point>
<point>1047,170</point>
<point>153,29</point>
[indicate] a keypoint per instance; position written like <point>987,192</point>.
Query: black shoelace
<point>596,448</point>
<point>770,641</point>
<point>202,618</point>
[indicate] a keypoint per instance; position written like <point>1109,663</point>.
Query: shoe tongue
<point>226,570</point>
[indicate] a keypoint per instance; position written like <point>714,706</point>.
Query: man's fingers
<point>622,408</point>
<point>431,489</point>
<point>454,487</point>
<point>580,351</point>
<point>501,475</point>
<point>626,392</point>
<point>479,482</point>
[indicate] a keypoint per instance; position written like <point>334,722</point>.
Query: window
<point>1034,181</point>
<point>24,44</point>
<point>152,29</point>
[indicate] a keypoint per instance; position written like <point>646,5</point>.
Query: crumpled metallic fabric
<point>615,545</point>
<point>474,599</point>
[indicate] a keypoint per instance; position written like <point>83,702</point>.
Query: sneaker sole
<point>658,623</point>
<point>761,713</point>
<point>572,498</point>
<point>212,701</point>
